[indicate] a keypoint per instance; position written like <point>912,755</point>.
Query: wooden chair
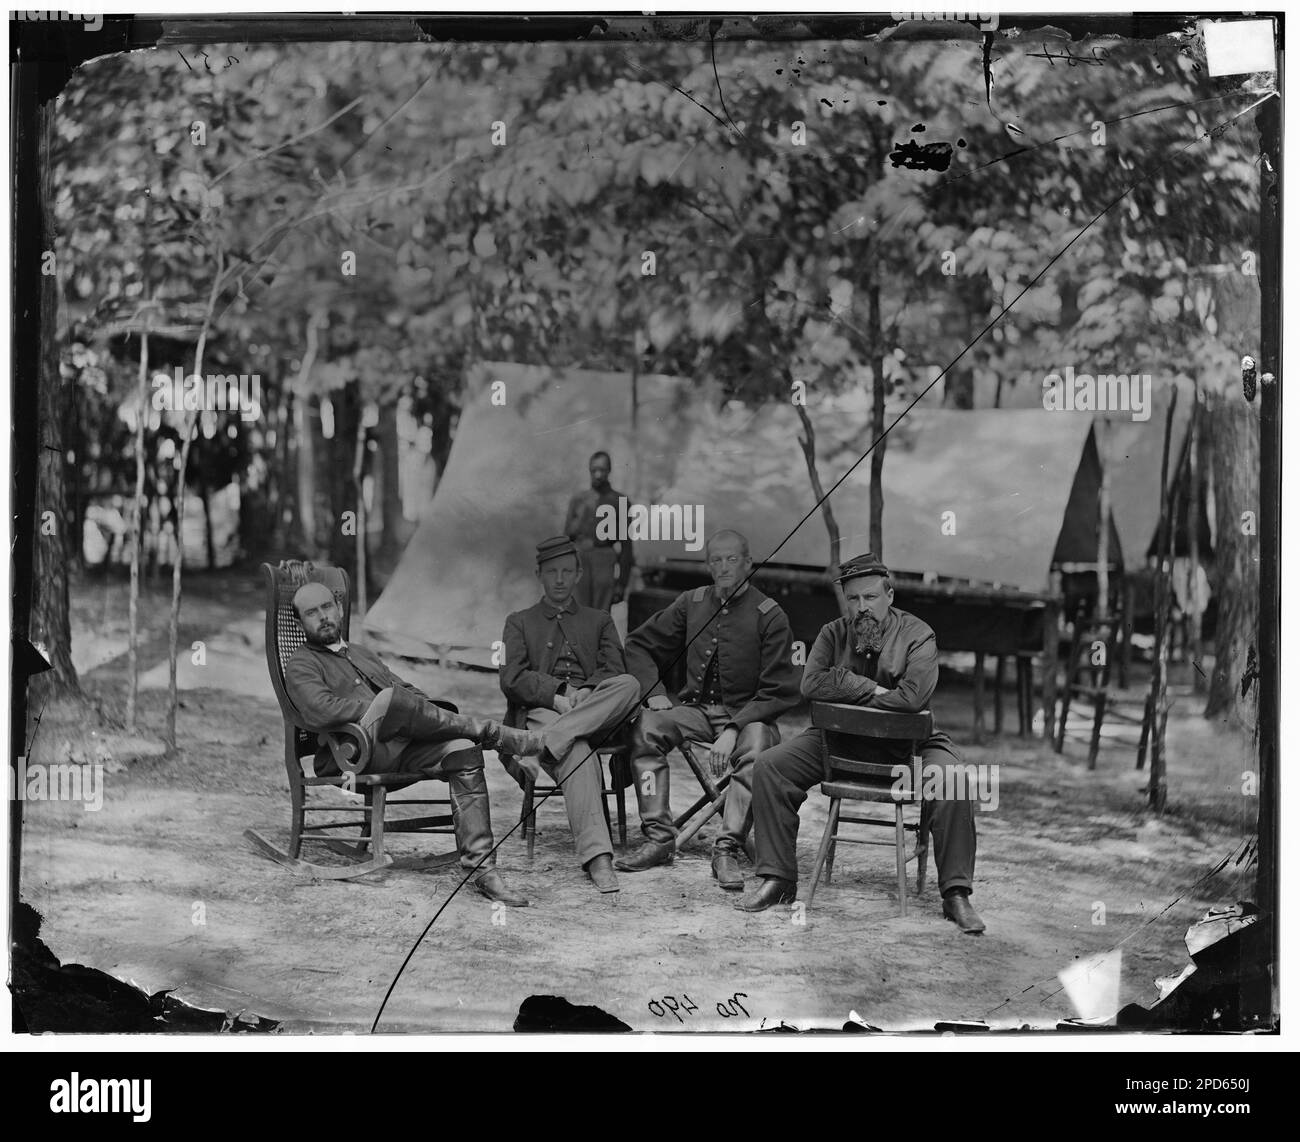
<point>615,751</point>
<point>714,796</point>
<point>848,777</point>
<point>284,634</point>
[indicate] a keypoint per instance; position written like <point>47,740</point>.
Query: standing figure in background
<point>606,562</point>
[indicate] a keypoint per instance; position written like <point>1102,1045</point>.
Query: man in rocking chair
<point>333,682</point>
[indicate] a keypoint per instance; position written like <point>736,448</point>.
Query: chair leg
<point>922,850</point>
<point>375,822</point>
<point>604,808</point>
<point>833,823</point>
<point>297,799</point>
<point>1024,694</point>
<point>621,799</point>
<point>900,857</point>
<point>1094,745</point>
<point>831,817</point>
<point>528,817</point>
<point>999,680</point>
<point>364,837</point>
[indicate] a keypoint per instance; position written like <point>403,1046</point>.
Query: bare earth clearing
<point>120,889</point>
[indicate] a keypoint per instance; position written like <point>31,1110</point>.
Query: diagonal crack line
<point>596,745</point>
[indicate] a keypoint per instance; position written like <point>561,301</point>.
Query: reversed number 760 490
<point>671,1005</point>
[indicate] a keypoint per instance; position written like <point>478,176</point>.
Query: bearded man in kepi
<point>885,659</point>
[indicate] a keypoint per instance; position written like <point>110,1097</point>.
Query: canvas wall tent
<point>507,483</point>
<point>1132,449</point>
<point>1020,486</point>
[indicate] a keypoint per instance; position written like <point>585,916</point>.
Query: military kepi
<point>554,547</point>
<point>861,565</point>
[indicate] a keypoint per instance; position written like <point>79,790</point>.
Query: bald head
<point>319,613</point>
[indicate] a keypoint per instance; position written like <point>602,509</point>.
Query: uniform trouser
<point>784,774</point>
<point>414,736</point>
<point>572,739</point>
<point>664,730</point>
<point>596,587</point>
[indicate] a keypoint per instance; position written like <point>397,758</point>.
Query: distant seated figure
<point>333,682</point>
<point>885,659</point>
<point>606,562</point>
<point>563,658</point>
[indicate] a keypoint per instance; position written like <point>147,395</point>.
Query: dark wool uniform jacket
<point>901,677</point>
<point>534,639</point>
<point>751,635</point>
<point>328,690</point>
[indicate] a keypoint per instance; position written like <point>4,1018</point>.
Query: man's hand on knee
<point>720,752</point>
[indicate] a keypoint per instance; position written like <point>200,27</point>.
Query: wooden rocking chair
<point>284,634</point>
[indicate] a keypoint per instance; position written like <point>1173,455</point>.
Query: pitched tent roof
<point>1131,449</point>
<point>1021,486</point>
<point>507,483</point>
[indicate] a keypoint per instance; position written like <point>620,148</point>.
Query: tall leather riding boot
<point>472,817</point>
<point>737,811</point>
<point>650,777</point>
<point>409,716</point>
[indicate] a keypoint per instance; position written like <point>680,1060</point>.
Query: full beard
<point>870,634</point>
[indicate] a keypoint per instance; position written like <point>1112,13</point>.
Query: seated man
<point>564,658</point>
<point>886,659</point>
<point>739,680</point>
<point>333,682</point>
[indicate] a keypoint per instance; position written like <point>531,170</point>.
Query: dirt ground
<point>159,887</point>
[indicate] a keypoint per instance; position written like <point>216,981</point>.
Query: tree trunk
<point>305,437</point>
<point>389,482</point>
<point>877,495</point>
<point>334,480</point>
<point>808,443</point>
<point>1196,604</point>
<point>50,625</point>
<point>362,594</point>
<point>1234,450</point>
<point>137,536</point>
<point>1157,710</point>
<point>191,426</point>
<point>209,547</point>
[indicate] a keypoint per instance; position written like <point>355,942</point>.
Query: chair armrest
<point>844,718</point>
<point>349,746</point>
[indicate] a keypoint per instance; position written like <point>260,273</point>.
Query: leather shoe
<point>646,855</point>
<point>770,892</point>
<point>600,870</point>
<point>493,887</point>
<point>726,871</point>
<point>959,910</point>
